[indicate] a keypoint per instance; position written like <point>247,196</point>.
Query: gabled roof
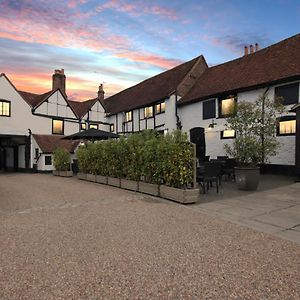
<point>48,143</point>
<point>81,108</point>
<point>34,99</point>
<point>273,64</point>
<point>150,90</point>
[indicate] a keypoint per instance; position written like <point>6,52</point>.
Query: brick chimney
<point>101,92</point>
<point>251,49</point>
<point>246,52</point>
<point>256,47</point>
<point>59,80</point>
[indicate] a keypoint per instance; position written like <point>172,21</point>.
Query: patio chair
<point>207,174</point>
<point>228,168</point>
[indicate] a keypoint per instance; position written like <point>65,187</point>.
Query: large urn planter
<point>91,177</point>
<point>113,181</point>
<point>149,188</point>
<point>81,176</point>
<point>247,179</point>
<point>63,173</point>
<point>129,185</point>
<point>101,179</point>
<point>184,196</point>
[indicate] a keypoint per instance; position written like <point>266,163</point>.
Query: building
<point>26,119</point>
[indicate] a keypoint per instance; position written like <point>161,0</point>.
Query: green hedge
<point>61,159</point>
<point>146,156</point>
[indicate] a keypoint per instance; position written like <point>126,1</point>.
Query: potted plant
<point>62,163</point>
<point>254,124</point>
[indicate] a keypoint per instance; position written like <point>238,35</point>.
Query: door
<point>197,136</point>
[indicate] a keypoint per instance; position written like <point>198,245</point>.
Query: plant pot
<point>179,195</point>
<point>247,179</point>
<point>63,173</point>
<point>149,188</point>
<point>91,177</point>
<point>113,181</point>
<point>81,176</point>
<point>130,185</point>
<point>101,179</point>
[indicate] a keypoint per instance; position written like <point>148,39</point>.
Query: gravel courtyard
<point>67,239</point>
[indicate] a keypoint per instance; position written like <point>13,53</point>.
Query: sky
<point>120,43</point>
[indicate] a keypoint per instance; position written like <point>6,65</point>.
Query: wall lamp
<point>212,124</point>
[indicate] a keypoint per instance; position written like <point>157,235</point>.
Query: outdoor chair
<point>228,168</point>
<point>207,174</point>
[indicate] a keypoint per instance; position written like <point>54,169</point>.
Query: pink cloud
<point>75,3</point>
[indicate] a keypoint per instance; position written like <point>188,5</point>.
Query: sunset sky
<point>120,43</point>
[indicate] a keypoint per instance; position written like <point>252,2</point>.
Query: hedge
<point>61,159</point>
<point>147,156</point>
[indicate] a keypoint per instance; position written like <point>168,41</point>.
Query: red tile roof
<point>81,108</point>
<point>150,90</point>
<point>273,64</point>
<point>48,143</point>
<point>34,99</point>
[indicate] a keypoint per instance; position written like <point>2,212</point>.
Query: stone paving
<point>274,208</point>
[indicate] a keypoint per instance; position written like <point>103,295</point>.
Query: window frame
<point>277,98</point>
<point>158,112</point>
<point>147,108</point>
<point>221,115</point>
<point>9,105</point>
<point>131,116</point>
<point>45,160</point>
<point>283,119</point>
<point>63,126</point>
<point>111,127</point>
<point>215,112</point>
<point>94,124</point>
<point>81,126</point>
<point>227,137</point>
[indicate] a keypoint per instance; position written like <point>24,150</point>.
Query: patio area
<point>274,208</point>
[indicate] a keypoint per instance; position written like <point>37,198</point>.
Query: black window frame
<point>160,111</point>
<point>81,124</point>
<point>227,137</point>
<point>279,98</point>
<point>63,126</point>
<point>112,127</point>
<point>127,121</point>
<point>9,102</point>
<point>282,119</point>
<point>144,110</point>
<point>220,99</point>
<point>94,124</point>
<point>47,157</point>
<point>208,102</point>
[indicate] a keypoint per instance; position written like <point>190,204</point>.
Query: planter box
<point>81,176</point>
<point>63,173</point>
<point>101,179</point>
<point>149,188</point>
<point>91,177</point>
<point>179,195</point>
<point>130,185</point>
<point>113,181</point>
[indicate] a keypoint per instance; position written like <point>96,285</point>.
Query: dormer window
<point>148,112</point>
<point>128,116</point>
<point>4,108</point>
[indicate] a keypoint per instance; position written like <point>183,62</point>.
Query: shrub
<point>61,159</point>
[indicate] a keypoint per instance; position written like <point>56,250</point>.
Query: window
<point>209,109</point>
<point>128,116</point>
<point>112,127</point>
<point>48,160</point>
<point>57,126</point>
<point>286,126</point>
<point>226,107</point>
<point>228,134</point>
<point>160,108</point>
<point>83,126</point>
<point>95,126</point>
<point>287,94</point>
<point>4,108</point>
<point>148,112</point>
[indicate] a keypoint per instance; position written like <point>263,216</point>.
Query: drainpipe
<point>178,122</point>
<point>263,123</point>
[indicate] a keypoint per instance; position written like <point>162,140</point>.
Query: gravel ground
<point>67,239</point>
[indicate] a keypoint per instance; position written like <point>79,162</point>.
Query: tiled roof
<point>34,99</point>
<point>48,143</point>
<point>150,90</point>
<point>81,108</point>
<point>273,64</point>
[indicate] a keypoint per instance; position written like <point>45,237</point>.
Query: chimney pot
<point>59,80</point>
<point>256,47</point>
<point>246,50</point>
<point>101,92</point>
<point>251,49</point>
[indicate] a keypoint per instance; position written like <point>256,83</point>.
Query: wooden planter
<point>114,181</point>
<point>81,176</point>
<point>149,188</point>
<point>129,185</point>
<point>101,179</point>
<point>91,177</point>
<point>179,195</point>
<point>63,173</point>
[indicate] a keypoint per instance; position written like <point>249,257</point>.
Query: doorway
<point>197,136</point>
